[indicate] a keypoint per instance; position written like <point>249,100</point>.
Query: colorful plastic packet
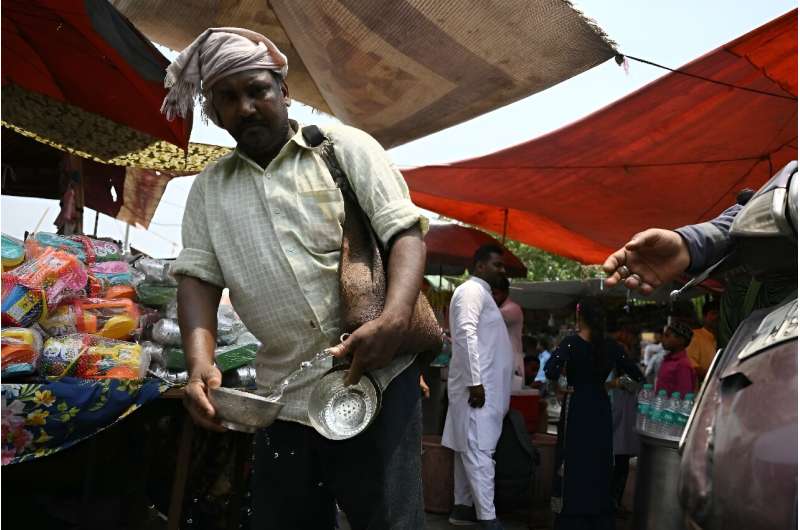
<point>156,294</point>
<point>39,285</point>
<point>86,249</point>
<point>13,251</point>
<point>113,319</point>
<point>21,348</point>
<point>93,357</point>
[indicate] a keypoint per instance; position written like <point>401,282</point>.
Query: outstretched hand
<point>650,259</point>
<point>371,346</point>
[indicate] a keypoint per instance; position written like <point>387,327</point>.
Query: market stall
<point>91,359</point>
<point>89,336</point>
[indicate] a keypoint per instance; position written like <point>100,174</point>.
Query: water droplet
<point>319,484</point>
<point>189,520</point>
<point>195,500</point>
<point>305,364</point>
<point>276,455</point>
<point>291,453</point>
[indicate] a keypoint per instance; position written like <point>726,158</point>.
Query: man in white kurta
<point>478,388</point>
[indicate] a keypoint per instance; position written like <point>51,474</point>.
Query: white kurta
<point>482,355</point>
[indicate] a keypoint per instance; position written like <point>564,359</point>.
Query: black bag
<point>516,460</point>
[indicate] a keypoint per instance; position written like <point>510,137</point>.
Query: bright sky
<point>668,33</point>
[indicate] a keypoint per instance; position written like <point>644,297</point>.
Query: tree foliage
<point>543,266</point>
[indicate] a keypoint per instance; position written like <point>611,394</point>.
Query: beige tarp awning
<point>399,69</point>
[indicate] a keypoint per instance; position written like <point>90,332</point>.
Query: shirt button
<point>269,175</point>
<point>290,250</point>
<point>276,212</point>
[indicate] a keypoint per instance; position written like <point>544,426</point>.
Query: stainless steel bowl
<point>339,412</point>
<point>243,411</point>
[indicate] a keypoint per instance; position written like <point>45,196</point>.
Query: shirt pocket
<point>321,216</point>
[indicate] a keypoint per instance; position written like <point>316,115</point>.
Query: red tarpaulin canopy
<point>450,249</point>
<point>675,152</point>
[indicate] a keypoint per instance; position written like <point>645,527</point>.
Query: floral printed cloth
<point>42,419</point>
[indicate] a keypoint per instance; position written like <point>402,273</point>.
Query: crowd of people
<point>595,371</point>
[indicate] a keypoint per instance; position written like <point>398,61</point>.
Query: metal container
<point>339,412</point>
<point>242,377</point>
<point>656,504</point>
<point>243,411</point>
<point>167,332</point>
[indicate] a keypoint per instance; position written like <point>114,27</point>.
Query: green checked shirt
<point>273,237</point>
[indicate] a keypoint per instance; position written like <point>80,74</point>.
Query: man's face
<point>251,106</point>
<point>491,270</point>
<point>499,296</point>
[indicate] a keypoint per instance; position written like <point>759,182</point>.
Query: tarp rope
<point>619,58</point>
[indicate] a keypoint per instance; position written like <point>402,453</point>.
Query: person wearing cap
<point>676,373</point>
<point>265,221</point>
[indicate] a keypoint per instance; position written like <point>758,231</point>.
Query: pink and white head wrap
<point>216,53</point>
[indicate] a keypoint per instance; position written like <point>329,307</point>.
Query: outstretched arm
<point>657,256</point>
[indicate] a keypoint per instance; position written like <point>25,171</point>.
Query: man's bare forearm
<point>404,275</point>
<point>197,317</point>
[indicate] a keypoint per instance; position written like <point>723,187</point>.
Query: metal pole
<point>505,225</point>
<point>96,220</point>
<point>127,235</point>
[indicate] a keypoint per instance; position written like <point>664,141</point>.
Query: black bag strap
<point>323,145</point>
<point>313,135</point>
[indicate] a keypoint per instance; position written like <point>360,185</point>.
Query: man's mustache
<point>251,123</point>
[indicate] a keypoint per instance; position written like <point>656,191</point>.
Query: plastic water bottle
<point>656,423</point>
<point>645,400</point>
<point>671,415</point>
<point>684,412</point>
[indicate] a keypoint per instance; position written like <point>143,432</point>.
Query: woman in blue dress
<point>584,452</point>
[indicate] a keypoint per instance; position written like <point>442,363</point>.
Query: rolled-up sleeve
<point>381,190</point>
<point>197,259</point>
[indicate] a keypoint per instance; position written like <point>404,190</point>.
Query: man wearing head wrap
<point>266,222</point>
